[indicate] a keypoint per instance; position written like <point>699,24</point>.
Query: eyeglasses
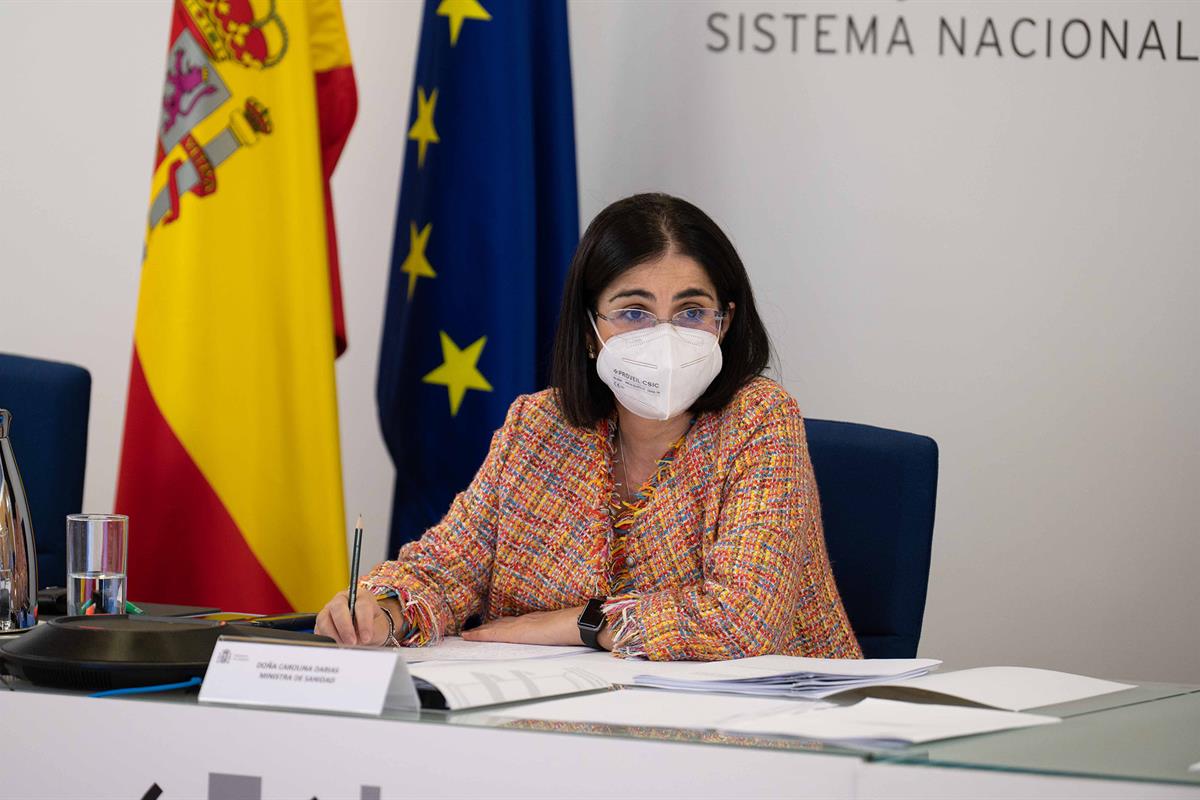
<point>639,319</point>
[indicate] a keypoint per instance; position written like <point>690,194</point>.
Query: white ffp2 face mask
<point>659,372</point>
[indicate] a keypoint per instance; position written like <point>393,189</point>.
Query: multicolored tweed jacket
<point>727,559</point>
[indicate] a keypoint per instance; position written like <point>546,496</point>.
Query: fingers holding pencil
<point>367,627</point>
<point>345,618</point>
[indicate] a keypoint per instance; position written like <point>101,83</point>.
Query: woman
<point>658,501</point>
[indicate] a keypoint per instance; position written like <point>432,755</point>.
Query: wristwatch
<point>591,622</point>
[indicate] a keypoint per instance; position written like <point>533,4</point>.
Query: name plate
<point>315,677</point>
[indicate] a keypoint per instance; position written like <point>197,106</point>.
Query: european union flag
<point>487,222</point>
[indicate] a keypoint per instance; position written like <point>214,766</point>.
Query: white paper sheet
<point>769,666</point>
<point>454,648</point>
<point>617,671</point>
<point>779,676</point>
<point>654,708</point>
<point>1010,688</point>
<point>468,684</point>
<point>886,723</point>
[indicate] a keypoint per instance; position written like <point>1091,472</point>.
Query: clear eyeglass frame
<point>630,319</point>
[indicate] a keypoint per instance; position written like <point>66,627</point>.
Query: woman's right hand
<point>369,627</point>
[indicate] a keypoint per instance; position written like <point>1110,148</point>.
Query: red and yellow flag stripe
<point>230,467</point>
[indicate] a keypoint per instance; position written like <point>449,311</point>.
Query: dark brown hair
<point>629,233</point>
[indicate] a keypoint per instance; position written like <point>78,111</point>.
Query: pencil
<point>354,556</point>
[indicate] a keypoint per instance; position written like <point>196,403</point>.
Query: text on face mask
<point>635,380</point>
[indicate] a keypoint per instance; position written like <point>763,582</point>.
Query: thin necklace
<point>624,465</point>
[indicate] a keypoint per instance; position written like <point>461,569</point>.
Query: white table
<point>70,745</point>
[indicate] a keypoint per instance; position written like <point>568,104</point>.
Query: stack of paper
<point>471,674</point>
<point>1009,688</point>
<point>879,724</point>
<point>781,676</point>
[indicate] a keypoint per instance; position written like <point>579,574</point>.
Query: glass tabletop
<point>510,716</point>
<point>1147,733</point>
<point>1145,702</point>
<point>1154,740</point>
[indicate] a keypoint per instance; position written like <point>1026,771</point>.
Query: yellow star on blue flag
<point>485,228</point>
<point>416,264</point>
<point>422,131</point>
<point>458,371</point>
<point>459,10</point>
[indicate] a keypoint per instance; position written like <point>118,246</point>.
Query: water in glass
<point>95,593</point>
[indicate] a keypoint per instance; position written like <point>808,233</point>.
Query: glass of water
<point>97,546</point>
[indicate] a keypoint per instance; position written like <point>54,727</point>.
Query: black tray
<point>117,651</point>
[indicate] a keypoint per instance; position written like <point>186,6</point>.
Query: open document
<point>469,684</point>
<point>780,676</point>
<point>471,674</point>
<point>466,674</point>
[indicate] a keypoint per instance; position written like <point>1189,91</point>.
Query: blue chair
<point>878,489</point>
<point>49,404</point>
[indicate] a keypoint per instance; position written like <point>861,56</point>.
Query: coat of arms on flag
<point>230,467</point>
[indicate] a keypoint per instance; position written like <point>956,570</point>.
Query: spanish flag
<point>230,467</point>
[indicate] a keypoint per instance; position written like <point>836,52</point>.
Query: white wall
<point>999,253</point>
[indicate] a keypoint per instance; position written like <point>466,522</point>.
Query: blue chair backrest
<point>49,404</point>
<point>878,489</point>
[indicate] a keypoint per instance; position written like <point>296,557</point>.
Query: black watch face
<point>592,618</point>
